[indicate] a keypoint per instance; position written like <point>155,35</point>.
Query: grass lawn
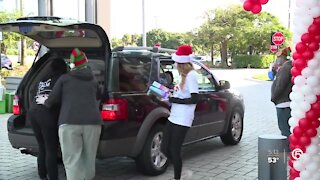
<point>263,77</point>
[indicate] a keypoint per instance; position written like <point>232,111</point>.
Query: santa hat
<point>182,54</point>
<point>78,59</point>
<point>286,53</point>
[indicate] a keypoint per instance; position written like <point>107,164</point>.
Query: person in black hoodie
<point>44,121</point>
<point>79,122</point>
<point>280,91</point>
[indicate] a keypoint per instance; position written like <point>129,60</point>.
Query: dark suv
<point>133,121</point>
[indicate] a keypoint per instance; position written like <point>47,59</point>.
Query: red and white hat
<point>182,54</point>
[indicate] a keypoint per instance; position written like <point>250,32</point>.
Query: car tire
<point>235,128</point>
<point>151,161</point>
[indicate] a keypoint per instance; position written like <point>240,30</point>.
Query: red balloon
<point>248,5</point>
<point>292,79</point>
<point>264,1</point>
<point>290,163</point>
<point>294,172</point>
<point>315,123</point>
<point>307,38</point>
<point>305,123</point>
<point>316,106</point>
<point>293,139</point>
<point>314,29</point>
<point>255,1</point>
<point>317,38</point>
<point>296,55</point>
<point>301,47</point>
<point>256,8</point>
<point>297,131</point>
<point>303,148</point>
<point>311,115</point>
<point>313,46</point>
<point>307,54</point>
<point>312,132</point>
<point>318,98</point>
<point>304,141</point>
<point>316,21</point>
<point>295,72</point>
<point>300,64</point>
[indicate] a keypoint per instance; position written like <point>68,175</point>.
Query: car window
<point>134,73</point>
<point>205,79</point>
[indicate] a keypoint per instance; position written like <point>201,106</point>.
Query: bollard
<point>272,157</point>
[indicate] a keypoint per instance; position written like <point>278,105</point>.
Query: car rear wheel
<point>151,160</point>
<point>235,128</point>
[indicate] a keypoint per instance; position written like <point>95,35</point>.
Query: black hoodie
<point>77,93</point>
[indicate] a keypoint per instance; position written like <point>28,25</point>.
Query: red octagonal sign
<point>278,38</point>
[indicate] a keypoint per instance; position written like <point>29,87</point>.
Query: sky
<point>170,15</point>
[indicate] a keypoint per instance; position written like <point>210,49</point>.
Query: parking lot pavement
<point>209,160</point>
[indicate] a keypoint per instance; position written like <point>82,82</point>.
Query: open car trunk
<point>60,36</point>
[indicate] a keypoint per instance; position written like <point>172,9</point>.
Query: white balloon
<point>314,11</point>
<point>317,55</point>
<point>305,174</point>
<point>298,178</point>
<point>306,20</point>
<point>315,141</point>
<point>312,167</point>
<point>312,150</point>
<point>305,158</point>
<point>312,81</point>
<point>305,106</point>
<point>310,3</point>
<point>317,73</point>
<point>311,98</point>
<point>293,96</point>
<point>298,114</point>
<point>299,80</point>
<point>292,122</point>
<point>307,72</point>
<point>313,64</point>
<point>306,90</point>
<point>298,165</point>
<point>316,90</point>
<point>296,88</point>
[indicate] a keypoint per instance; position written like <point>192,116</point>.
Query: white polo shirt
<point>183,114</point>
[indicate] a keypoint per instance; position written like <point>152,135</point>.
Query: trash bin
<point>2,100</point>
<point>9,101</point>
<point>272,157</point>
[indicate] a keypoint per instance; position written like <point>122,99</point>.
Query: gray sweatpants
<point>79,144</point>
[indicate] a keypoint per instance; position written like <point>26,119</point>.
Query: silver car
<point>6,62</point>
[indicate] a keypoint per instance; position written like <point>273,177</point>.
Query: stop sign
<point>278,38</point>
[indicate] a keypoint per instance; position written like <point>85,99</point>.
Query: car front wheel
<point>235,128</point>
<point>151,160</point>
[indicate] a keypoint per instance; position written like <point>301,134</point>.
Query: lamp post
<point>144,35</point>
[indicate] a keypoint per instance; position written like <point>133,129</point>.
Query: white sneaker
<point>186,174</point>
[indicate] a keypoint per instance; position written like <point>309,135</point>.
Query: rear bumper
<point>107,148</point>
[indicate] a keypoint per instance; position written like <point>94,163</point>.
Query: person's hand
<point>41,99</point>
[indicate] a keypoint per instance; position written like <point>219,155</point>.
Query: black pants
<point>284,114</point>
<point>44,125</point>
<point>173,137</point>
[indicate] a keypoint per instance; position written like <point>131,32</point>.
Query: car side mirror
<point>224,84</point>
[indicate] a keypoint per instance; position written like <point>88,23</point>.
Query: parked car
<point>133,121</point>
<point>6,62</point>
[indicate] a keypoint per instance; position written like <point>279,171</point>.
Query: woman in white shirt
<point>183,106</point>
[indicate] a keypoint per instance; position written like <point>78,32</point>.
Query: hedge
<point>253,61</point>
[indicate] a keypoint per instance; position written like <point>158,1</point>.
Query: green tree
<point>9,39</point>
<point>233,30</point>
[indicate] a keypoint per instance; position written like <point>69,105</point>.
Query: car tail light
<point>16,107</point>
<point>115,109</point>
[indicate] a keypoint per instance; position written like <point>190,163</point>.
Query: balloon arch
<point>304,159</point>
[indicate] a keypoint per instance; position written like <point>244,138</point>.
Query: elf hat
<point>78,59</point>
<point>286,53</point>
<point>182,54</point>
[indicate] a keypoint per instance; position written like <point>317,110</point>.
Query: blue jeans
<point>284,115</point>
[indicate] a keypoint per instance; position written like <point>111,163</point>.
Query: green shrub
<point>12,51</point>
<point>30,52</point>
<point>253,61</point>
